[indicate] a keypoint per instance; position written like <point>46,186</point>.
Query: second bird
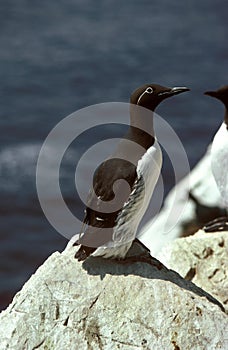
<point>219,159</point>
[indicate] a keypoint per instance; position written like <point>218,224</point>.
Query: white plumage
<point>219,161</point>
<point>148,171</point>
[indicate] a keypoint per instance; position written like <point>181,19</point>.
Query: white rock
<point>179,217</point>
<point>203,259</point>
<point>107,305</point>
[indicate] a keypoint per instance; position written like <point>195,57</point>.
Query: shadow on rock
<point>139,262</point>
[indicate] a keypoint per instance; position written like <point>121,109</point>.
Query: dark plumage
<point>222,95</point>
<point>105,181</point>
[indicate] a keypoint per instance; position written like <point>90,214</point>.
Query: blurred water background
<point>59,56</point>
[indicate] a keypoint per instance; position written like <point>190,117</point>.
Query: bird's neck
<point>141,137</point>
<point>141,128</point>
<point>226,116</point>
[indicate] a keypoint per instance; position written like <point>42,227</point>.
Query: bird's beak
<point>211,93</point>
<point>174,91</point>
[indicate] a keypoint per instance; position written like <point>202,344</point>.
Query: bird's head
<point>150,95</point>
<point>221,94</point>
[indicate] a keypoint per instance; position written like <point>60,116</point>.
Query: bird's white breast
<point>219,161</point>
<point>149,166</point>
<point>148,170</point>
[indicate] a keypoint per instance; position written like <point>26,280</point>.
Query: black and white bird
<point>110,234</point>
<point>219,160</point>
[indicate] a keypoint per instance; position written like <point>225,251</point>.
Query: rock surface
<point>203,259</point>
<point>189,214</point>
<point>107,305</point>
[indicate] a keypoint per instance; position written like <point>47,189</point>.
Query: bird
<point>219,160</point>
<point>110,235</point>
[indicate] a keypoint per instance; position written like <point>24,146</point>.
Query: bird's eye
<point>149,90</point>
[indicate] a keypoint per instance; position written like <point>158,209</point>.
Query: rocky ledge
<point>103,304</point>
<point>202,259</point>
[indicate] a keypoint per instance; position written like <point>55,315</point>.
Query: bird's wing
<point>107,188</point>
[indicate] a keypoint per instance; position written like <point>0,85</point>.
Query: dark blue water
<point>57,57</point>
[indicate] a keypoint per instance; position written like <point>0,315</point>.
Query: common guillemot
<point>110,235</point>
<point>219,161</point>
